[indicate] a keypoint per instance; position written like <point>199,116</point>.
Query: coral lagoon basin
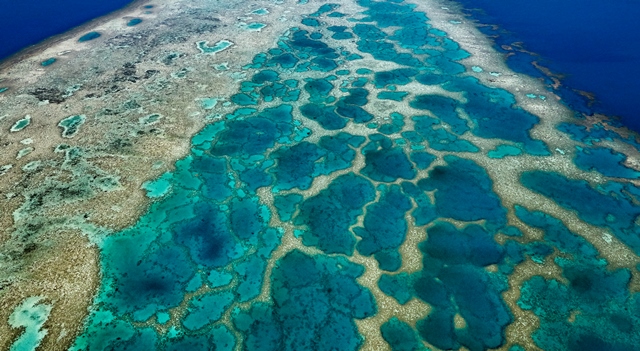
<point>307,175</point>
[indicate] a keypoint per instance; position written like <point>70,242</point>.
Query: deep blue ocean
<point>27,22</point>
<point>595,44</point>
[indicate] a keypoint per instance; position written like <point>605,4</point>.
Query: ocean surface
<point>28,22</point>
<point>594,44</point>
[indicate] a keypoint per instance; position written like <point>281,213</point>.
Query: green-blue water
<point>191,273</point>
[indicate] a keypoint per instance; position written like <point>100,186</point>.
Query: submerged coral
<point>319,201</point>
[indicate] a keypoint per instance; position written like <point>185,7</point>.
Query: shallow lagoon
<point>320,208</point>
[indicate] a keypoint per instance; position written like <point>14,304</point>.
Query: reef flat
<point>308,176</point>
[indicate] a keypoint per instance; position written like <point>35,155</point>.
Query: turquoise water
<point>71,124</point>
<point>89,36</point>
<point>21,124</point>
<point>134,22</point>
<point>48,62</point>
<point>254,239</point>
